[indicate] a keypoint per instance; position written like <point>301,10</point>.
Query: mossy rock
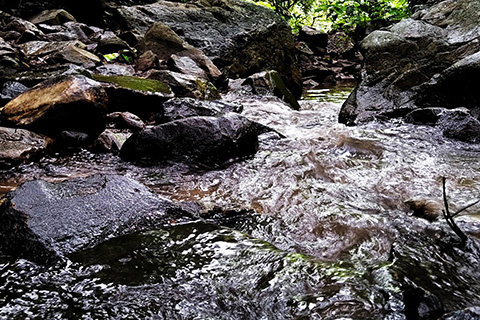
<point>135,83</point>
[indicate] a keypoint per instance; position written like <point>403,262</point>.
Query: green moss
<point>135,83</point>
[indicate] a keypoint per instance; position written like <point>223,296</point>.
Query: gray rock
<point>58,16</point>
<point>19,145</point>
<point>472,313</point>
<point>428,61</point>
<point>209,141</point>
<point>125,120</point>
<point>181,108</point>
<point>44,221</point>
<point>239,37</point>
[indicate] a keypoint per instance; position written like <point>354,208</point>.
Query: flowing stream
<point>335,234</point>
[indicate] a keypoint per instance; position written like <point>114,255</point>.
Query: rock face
<point>239,37</point>
<point>427,61</point>
<point>206,141</point>
<point>66,104</point>
<point>44,221</point>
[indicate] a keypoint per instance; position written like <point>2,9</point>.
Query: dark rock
<point>241,38</point>
<point>109,42</point>
<point>181,108</point>
<point>44,221</point>
<point>315,39</point>
<point>74,139</point>
<point>19,145</point>
<point>125,120</point>
<point>420,304</point>
<point>472,313</point>
<point>206,141</point>
<point>58,16</point>
<point>427,116</point>
<point>70,103</point>
<point>428,61</point>
<point>10,90</point>
<point>460,125</point>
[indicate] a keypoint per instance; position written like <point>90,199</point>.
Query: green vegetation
<point>337,14</point>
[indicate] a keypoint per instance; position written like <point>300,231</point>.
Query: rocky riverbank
<point>423,69</point>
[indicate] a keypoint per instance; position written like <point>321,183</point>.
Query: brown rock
<point>66,104</point>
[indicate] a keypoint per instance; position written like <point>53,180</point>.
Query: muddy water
<point>335,237</point>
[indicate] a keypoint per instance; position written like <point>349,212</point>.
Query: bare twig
<point>449,217</point>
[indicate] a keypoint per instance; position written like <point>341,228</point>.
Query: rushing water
<point>334,238</point>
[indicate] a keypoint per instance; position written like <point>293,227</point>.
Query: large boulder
<point>71,103</point>
<point>429,60</point>
<point>239,37</point>
<point>208,141</point>
<point>44,221</point>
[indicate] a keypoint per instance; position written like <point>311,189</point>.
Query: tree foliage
<point>338,14</point>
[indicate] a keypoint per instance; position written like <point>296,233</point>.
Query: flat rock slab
<point>44,221</point>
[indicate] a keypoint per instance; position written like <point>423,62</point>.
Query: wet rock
<point>420,304</point>
<point>206,141</point>
<point>65,51</point>
<point>44,221</point>
<point>425,209</point>
<point>142,97</point>
<point>186,85</point>
<point>315,39</point>
<point>70,103</point>
<point>147,60</point>
<point>19,145</point>
<point>270,82</point>
<point>427,116</point>
<point>428,61</point>
<point>241,38</point>
<point>116,70</point>
<point>167,45</point>
<point>181,108</point>
<point>58,16</point>
<point>111,141</point>
<point>125,120</point>
<point>472,313</point>
<point>23,26</point>
<point>10,90</point>
<point>460,125</point>
<point>109,42</point>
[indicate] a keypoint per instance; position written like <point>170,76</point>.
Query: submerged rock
<point>19,145</point>
<point>206,141</point>
<point>71,103</point>
<point>44,221</point>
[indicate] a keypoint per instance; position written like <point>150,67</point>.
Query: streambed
<point>334,236</point>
